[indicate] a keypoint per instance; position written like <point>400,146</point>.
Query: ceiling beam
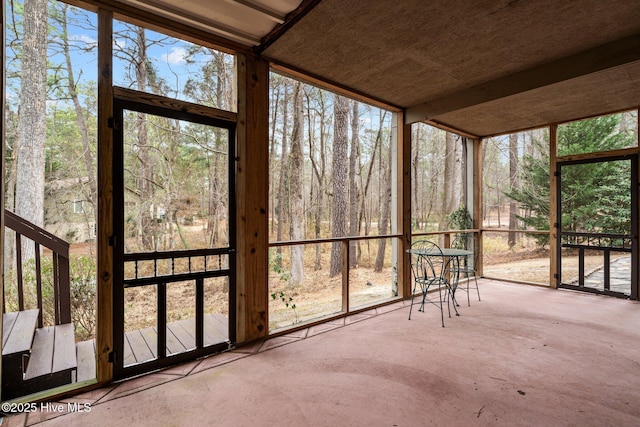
<point>307,77</point>
<point>451,129</point>
<point>264,11</point>
<point>607,56</point>
<point>161,23</point>
<point>196,21</point>
<point>292,17</point>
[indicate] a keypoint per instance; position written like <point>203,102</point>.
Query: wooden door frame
<point>126,99</point>
<point>633,156</point>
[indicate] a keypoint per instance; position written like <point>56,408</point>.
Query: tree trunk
<point>513,179</point>
<point>367,182</point>
<point>275,96</point>
<point>214,191</point>
<point>10,189</point>
<point>283,170</point>
<point>296,198</point>
<point>340,179</point>
<point>462,176</point>
<point>416,205</point>
<point>82,126</point>
<point>385,214</point>
<point>319,170</point>
<point>214,174</point>
<point>449,185</point>
<point>353,190</point>
<point>32,127</point>
<point>146,226</point>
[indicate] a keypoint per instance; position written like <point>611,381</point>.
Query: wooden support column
<point>345,275</point>
<point>2,170</point>
<point>553,206</point>
<point>404,205</point>
<point>477,198</point>
<point>252,189</point>
<point>635,262</point>
<point>104,341</point>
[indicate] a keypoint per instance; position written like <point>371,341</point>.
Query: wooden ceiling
<point>481,67</point>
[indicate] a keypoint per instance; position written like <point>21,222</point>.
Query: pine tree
<point>595,196</point>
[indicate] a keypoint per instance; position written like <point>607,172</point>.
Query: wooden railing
<point>60,254</point>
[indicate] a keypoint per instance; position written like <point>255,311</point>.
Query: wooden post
<point>635,227</point>
<point>477,199</point>
<point>553,206</point>
<point>104,340</point>
<point>2,170</point>
<point>252,189</point>
<point>404,205</point>
<point>345,275</point>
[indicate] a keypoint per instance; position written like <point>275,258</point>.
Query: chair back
<point>468,242</point>
<point>427,262</point>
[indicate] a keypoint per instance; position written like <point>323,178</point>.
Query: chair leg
<point>477,288</point>
<point>455,303</point>
<point>451,298</point>
<point>413,294</point>
<point>447,297</point>
<point>441,311</point>
<point>425,291</point>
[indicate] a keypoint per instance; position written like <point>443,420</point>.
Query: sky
<point>168,58</point>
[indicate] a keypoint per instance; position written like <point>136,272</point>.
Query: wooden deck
<point>86,355</point>
<point>54,359</point>
<point>141,345</point>
<point>17,332</point>
<point>35,359</point>
<point>53,351</point>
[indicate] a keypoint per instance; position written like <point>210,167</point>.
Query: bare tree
<point>319,166</point>
<point>362,217</point>
<point>296,177</point>
<point>275,88</point>
<point>72,90</point>
<point>513,179</point>
<point>340,180</point>
<point>385,214</point>
<point>282,199</point>
<point>427,166</point>
<point>147,231</point>
<point>417,208</point>
<point>32,130</point>
<point>450,167</point>
<point>11,144</point>
<point>353,189</point>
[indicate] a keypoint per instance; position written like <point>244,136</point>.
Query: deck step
<point>17,331</point>
<point>52,362</point>
<point>53,351</point>
<point>86,357</point>
<point>17,336</point>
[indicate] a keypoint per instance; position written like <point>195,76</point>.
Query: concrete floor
<point>522,356</point>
